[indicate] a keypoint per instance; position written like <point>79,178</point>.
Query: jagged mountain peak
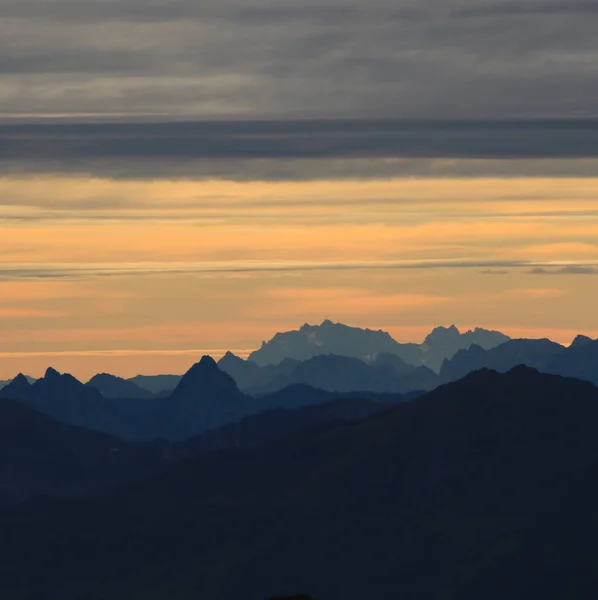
<point>21,380</point>
<point>581,340</point>
<point>17,388</point>
<point>51,373</point>
<point>203,376</point>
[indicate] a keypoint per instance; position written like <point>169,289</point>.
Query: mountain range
<point>335,338</point>
<point>482,488</point>
<point>386,373</point>
<point>205,398</point>
<point>40,456</point>
<point>579,360</point>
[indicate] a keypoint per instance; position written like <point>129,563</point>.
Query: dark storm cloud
<point>280,149</point>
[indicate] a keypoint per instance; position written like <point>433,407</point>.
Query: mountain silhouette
<point>387,373</point>
<point>255,379</point>
<point>533,353</point>
<point>332,338</point>
<point>445,342</point>
<point>277,423</point>
<point>205,398</point>
<point>338,339</point>
<point>580,360</point>
<point>40,456</point>
<point>3,384</point>
<point>581,340</point>
<point>482,488</point>
<point>345,374</point>
<point>111,386</point>
<point>62,397</point>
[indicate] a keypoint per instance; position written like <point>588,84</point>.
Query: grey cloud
<point>259,58</point>
<point>568,270</point>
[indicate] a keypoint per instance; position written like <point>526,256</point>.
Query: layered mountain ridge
<point>482,488</point>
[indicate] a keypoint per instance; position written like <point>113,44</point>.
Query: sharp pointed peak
<point>51,373</point>
<point>20,378</point>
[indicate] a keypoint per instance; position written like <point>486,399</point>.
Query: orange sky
<point>145,276</point>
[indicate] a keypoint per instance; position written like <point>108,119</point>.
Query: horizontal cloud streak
<point>41,271</point>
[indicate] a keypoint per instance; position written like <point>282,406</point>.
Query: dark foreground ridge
<point>484,488</point>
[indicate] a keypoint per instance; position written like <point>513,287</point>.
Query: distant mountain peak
<point>21,379</point>
<point>331,338</point>
<point>442,334</point>
<point>204,375</point>
<point>581,340</point>
<point>207,362</point>
<point>17,388</point>
<point>51,373</point>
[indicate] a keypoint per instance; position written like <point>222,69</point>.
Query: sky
<point>180,178</point>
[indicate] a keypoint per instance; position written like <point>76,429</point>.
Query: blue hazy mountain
<point>579,360</point>
<point>483,488</point>
<point>111,386</point>
<point>255,379</point>
<point>338,339</point>
<point>533,353</point>
<point>386,373</point>
<point>445,342</point>
<point>332,338</point>
<point>6,382</point>
<point>205,398</point>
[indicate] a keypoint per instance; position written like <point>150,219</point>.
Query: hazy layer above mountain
<point>484,488</point>
<point>111,386</point>
<point>156,384</point>
<point>335,338</point>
